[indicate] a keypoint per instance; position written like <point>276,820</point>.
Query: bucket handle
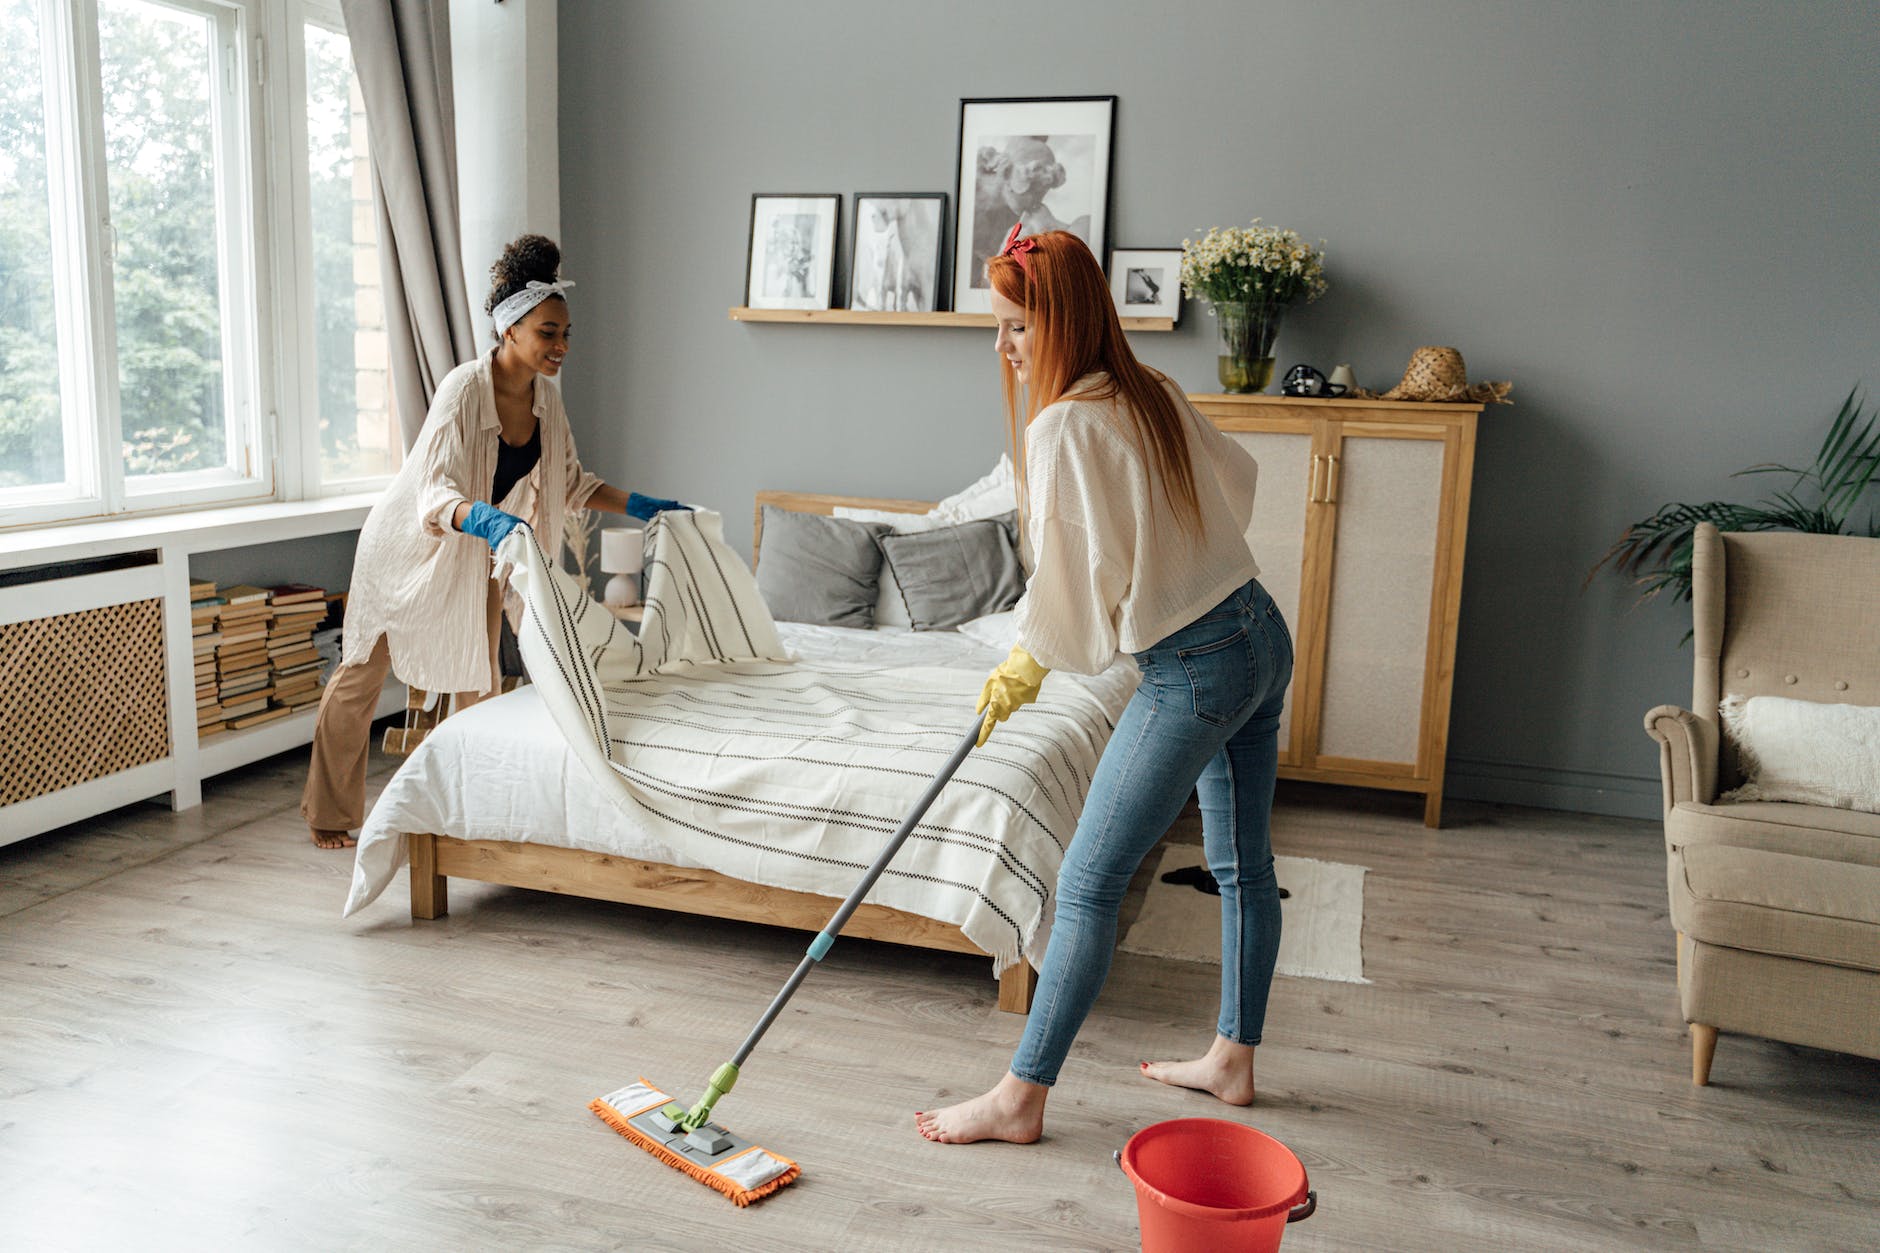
<point>1298,1213</point>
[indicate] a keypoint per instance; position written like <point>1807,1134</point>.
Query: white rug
<point>1324,917</point>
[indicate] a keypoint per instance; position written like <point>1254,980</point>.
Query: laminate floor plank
<point>197,1051</point>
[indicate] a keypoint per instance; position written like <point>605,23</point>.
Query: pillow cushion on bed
<point>1805,751</point>
<point>890,609</point>
<point>819,570</point>
<point>992,496</point>
<point>997,631</point>
<point>957,573</point>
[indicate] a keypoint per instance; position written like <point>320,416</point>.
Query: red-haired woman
<point>1137,516</point>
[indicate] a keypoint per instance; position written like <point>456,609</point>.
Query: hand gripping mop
<point>686,1139</point>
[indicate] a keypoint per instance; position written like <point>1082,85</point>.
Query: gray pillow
<point>819,570</point>
<point>957,573</point>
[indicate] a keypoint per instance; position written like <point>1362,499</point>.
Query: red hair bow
<point>1016,248</point>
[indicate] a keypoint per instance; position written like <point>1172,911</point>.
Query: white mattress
<point>502,770</point>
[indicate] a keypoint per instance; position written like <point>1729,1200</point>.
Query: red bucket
<point>1205,1183</point>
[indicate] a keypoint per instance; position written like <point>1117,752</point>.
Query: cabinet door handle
<point>1312,491</point>
<point>1331,479</point>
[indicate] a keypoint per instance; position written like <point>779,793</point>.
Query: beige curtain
<point>401,51</point>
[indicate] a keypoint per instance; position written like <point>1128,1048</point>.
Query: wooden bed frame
<point>435,859</point>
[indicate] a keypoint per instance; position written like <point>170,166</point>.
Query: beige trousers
<point>335,796</point>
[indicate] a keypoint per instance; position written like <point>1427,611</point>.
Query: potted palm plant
<point>1822,497</point>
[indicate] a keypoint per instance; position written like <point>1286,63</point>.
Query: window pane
<point>159,70</point>
<point>358,438</point>
<point>32,436</point>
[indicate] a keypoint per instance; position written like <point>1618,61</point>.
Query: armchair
<point>1776,905</point>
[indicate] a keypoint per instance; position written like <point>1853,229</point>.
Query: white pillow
<point>991,496</point>
<point>996,630</point>
<point>890,609</point>
<point>1805,751</point>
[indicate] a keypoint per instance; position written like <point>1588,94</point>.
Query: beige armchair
<point>1777,906</point>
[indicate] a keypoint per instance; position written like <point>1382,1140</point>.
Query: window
<point>188,315</point>
<point>358,432</point>
<point>36,454</point>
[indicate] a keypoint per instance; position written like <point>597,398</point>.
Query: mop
<point>687,1139</point>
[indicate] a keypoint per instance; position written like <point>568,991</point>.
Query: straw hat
<point>1437,374</point>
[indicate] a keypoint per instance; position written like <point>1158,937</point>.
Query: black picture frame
<point>1008,147</point>
<point>916,234</point>
<point>790,255</point>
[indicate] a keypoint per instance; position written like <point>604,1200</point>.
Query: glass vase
<point>1248,329</point>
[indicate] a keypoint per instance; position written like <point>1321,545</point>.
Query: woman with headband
<point>495,450</point>
<point>1137,513</point>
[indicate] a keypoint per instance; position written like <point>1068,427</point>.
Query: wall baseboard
<point>1544,787</point>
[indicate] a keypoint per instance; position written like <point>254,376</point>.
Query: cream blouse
<point>420,583</point>
<point>1114,570</point>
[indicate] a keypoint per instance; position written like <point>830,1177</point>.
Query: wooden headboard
<point>812,502</point>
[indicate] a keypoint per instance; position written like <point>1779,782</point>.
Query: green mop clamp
<point>726,1076</point>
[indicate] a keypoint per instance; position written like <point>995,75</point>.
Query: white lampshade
<point>622,550</point>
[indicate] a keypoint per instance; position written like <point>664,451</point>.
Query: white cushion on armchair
<point>1805,751</point>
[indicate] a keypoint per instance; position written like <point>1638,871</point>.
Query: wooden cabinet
<point>1359,527</point>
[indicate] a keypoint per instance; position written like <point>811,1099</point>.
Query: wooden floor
<point>196,1052</point>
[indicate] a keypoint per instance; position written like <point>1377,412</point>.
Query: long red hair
<point>1071,330</point>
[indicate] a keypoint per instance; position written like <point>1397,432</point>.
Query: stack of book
<point>243,672</point>
<point>204,605</point>
<point>294,662</point>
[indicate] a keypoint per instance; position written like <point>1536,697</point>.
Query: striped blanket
<point>792,774</point>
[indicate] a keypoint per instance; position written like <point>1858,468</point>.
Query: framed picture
<point>792,259</point>
<point>1044,163</point>
<point>896,238</point>
<point>1147,282</point>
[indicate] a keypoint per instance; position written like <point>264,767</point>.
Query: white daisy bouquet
<point>1256,265</point>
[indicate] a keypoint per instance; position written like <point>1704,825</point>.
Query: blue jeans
<point>1205,719</point>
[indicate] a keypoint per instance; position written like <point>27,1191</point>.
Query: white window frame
<point>265,257</point>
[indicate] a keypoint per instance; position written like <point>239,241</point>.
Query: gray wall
<point>1657,219</point>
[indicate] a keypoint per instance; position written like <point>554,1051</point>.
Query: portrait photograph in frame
<point>791,261</point>
<point>1043,163</point>
<point>896,242</point>
<point>1147,282</point>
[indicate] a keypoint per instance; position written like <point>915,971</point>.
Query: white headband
<point>512,310</point>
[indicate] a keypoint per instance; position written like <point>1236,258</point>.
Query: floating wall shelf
<point>862,317</point>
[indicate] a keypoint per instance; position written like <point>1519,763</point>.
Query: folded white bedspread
<point>790,774</point>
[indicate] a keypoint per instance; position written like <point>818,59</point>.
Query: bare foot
<point>332,839</point>
<point>1013,1111</point>
<point>1226,1071</point>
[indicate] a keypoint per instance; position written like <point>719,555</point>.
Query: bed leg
<point>1016,986</point>
<point>430,894</point>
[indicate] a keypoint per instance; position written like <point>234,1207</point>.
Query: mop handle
<point>826,938</point>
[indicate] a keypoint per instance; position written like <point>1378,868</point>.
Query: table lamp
<point>622,555</point>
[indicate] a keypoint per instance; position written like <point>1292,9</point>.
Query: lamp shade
<point>622,549</point>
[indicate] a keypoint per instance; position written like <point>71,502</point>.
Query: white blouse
<point>420,583</point>
<point>1114,570</point>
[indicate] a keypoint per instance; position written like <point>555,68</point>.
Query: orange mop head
<point>741,1170</point>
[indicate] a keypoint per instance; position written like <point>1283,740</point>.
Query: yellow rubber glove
<point>1014,682</point>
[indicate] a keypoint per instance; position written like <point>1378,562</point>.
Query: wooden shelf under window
<point>862,317</point>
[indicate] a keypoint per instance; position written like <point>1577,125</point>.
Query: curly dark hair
<point>530,258</point>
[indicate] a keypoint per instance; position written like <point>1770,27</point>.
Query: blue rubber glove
<point>646,508</point>
<point>489,523</point>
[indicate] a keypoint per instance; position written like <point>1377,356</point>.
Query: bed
<point>757,789</point>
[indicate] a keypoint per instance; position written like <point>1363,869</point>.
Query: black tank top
<point>513,463</point>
